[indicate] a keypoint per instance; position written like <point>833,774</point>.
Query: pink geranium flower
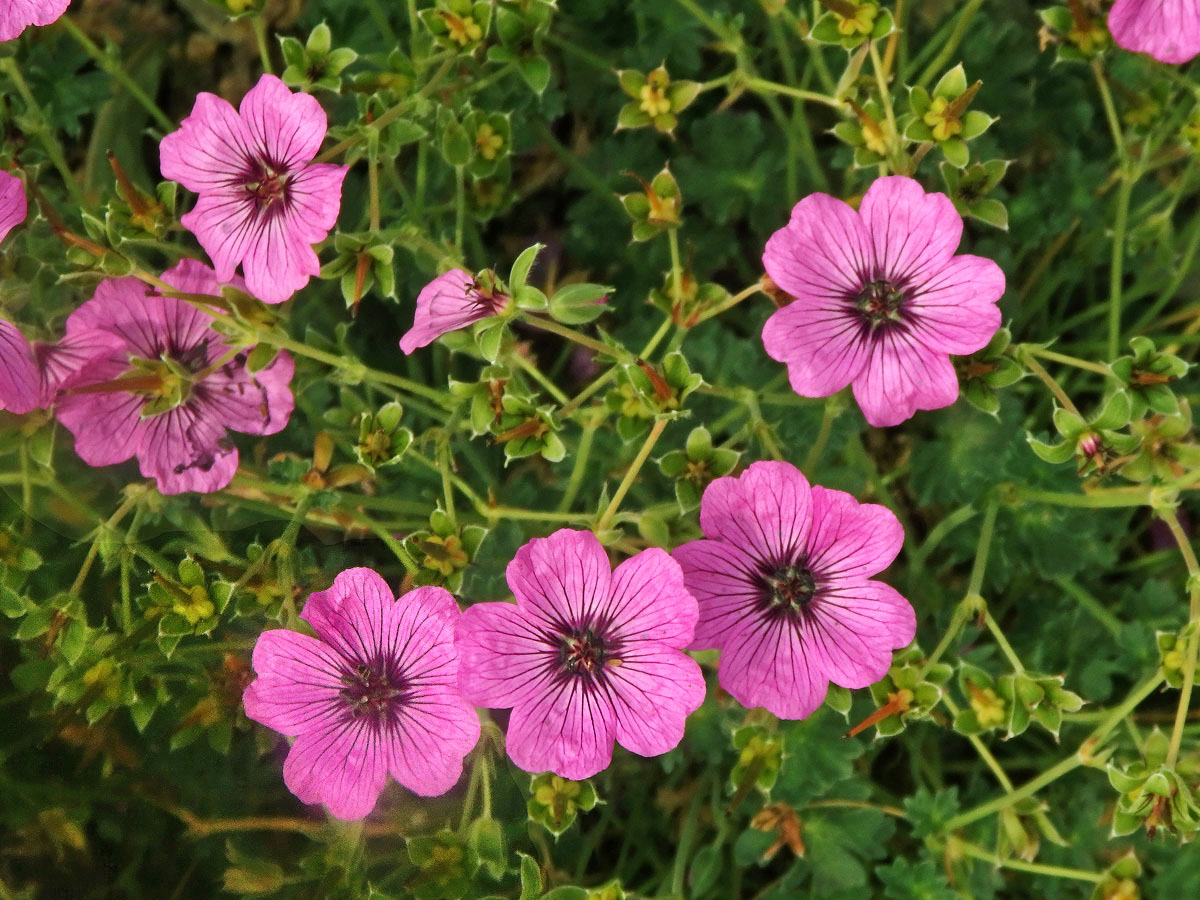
<point>374,692</point>
<point>452,301</point>
<point>784,587</point>
<point>881,299</point>
<point>261,202</point>
<point>172,387</point>
<point>17,15</point>
<point>1168,30</point>
<point>586,656</point>
<point>12,202</point>
<point>31,374</point>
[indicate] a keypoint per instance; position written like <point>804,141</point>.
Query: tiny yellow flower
<point>196,607</point>
<point>654,101</point>
<point>862,22</point>
<point>989,708</point>
<point>945,125</point>
<point>488,142</point>
<point>1089,38</point>
<point>463,31</point>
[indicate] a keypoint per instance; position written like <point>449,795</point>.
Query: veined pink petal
<point>276,260</point>
<point>190,276</point>
<point>767,510</point>
<point>823,346</point>
<point>344,766</point>
<point>1168,30</point>
<point>298,684</point>
<point>567,729</point>
<point>284,127</point>
<point>60,362</point>
<point>503,656</point>
<point>769,664</point>
<point>903,376</point>
<point>727,585</point>
<point>649,600</point>
<point>224,223</point>
<point>822,253</point>
<point>315,199</point>
<point>20,384</point>
<point>851,539</point>
<point>446,304</point>
<point>955,309</point>
<point>913,233</point>
<point>351,614</point>
<point>856,626</point>
<point>107,427</point>
<point>210,151</point>
<point>654,690</point>
<point>561,578</point>
<point>12,199</point>
<point>183,450</point>
<point>17,15</point>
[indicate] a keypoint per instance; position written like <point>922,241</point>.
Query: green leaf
<point>531,878</point>
<point>536,72</point>
<point>577,304</point>
<point>457,147</point>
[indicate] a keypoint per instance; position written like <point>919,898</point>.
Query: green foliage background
<point>127,768</point>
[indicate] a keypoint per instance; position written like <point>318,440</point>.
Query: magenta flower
<point>374,692</point>
<point>881,299</point>
<point>17,15</point>
<point>783,582</point>
<point>261,203</point>
<point>1168,30</point>
<point>12,201</point>
<point>31,374</point>
<point>172,387</point>
<point>586,656</point>
<point>452,301</point>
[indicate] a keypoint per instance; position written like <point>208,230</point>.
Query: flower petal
<point>821,254</point>
<point>225,224</point>
<point>653,691</point>
<point>955,310</point>
<point>824,346</point>
<point>285,128</point>
<point>649,601</point>
<point>504,659</point>
<point>352,615</point>
<point>766,511</point>
<point>567,729</point>
<point>184,450</point>
<point>298,684</point>
<point>210,151</point>
<point>278,261</point>
<point>343,766</point>
<point>445,304</point>
<point>851,539</point>
<point>767,664</point>
<point>20,384</point>
<point>1168,30</point>
<point>12,200</point>
<point>563,579</point>
<point>725,580</point>
<point>854,628</point>
<point>901,377</point>
<point>914,234</point>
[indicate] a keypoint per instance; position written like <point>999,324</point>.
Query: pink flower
<point>451,301</point>
<point>881,299</point>
<point>31,374</point>
<point>587,655</point>
<point>17,15</point>
<point>12,202</point>
<point>1169,30</point>
<point>374,692</point>
<point>783,583</point>
<point>171,389</point>
<point>261,204</point>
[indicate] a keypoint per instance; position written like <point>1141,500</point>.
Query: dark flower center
<point>880,304</point>
<point>788,590</point>
<point>266,185</point>
<point>373,690</point>
<point>584,652</point>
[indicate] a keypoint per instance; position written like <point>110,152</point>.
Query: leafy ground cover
<point>581,194</point>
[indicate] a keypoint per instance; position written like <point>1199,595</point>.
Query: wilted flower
<point>374,692</point>
<point>783,582</point>
<point>262,203</point>
<point>881,299</point>
<point>171,388</point>
<point>587,655</point>
<point>451,301</point>
<point>1168,30</point>
<point>12,200</point>
<point>17,15</point>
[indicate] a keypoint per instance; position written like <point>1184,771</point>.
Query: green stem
<point>1048,380</point>
<point>603,379</point>
<point>651,439</point>
<point>1171,520</point>
<point>833,408</point>
<point>1017,865</point>
<point>579,467</point>
<point>394,545</point>
<point>114,68</point>
<point>134,496</point>
<point>762,86</point>
<point>526,365</point>
<point>573,163</point>
<point>373,191</point>
<point>676,267</point>
<point>885,97</point>
<point>460,207</point>
<point>1070,763</point>
<point>952,42</point>
<point>1005,646</point>
<point>1117,265</point>
<point>570,334</point>
<point>1093,606</point>
<point>981,748</point>
<point>1098,368</point>
<point>260,37</point>
<point>731,302</point>
<point>965,609</point>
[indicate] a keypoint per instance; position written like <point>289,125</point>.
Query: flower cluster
<point>588,655</point>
